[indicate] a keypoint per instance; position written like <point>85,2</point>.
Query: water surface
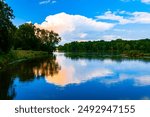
<point>70,76</point>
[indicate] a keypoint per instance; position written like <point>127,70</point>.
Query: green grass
<point>16,55</point>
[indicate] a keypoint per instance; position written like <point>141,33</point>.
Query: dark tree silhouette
<point>6,26</point>
<point>48,39</point>
<point>25,37</point>
<point>28,37</point>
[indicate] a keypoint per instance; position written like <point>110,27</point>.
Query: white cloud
<point>28,22</point>
<point>81,28</point>
<point>63,22</point>
<point>126,18</point>
<point>112,16</point>
<point>74,27</point>
<point>47,1</point>
<point>141,17</point>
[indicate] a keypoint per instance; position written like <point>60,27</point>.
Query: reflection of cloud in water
<point>68,76</point>
<point>82,70</point>
<point>142,80</point>
<point>138,80</point>
<point>82,62</point>
<point>64,77</point>
<point>145,98</point>
<point>100,73</point>
<point>69,73</point>
<point>109,61</point>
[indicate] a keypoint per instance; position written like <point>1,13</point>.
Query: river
<point>76,76</point>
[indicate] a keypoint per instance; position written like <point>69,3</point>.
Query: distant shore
<point>19,55</point>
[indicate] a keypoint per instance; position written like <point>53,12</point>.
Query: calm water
<point>67,76</point>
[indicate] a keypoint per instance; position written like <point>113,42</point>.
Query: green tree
<point>49,39</point>
<point>127,47</point>
<point>25,37</point>
<point>6,26</point>
<point>119,46</point>
<point>28,37</point>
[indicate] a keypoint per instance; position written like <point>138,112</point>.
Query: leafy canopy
<point>6,26</point>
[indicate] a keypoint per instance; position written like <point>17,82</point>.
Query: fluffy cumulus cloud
<point>81,28</point>
<point>74,27</point>
<point>126,17</point>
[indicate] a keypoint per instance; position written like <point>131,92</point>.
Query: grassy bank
<point>18,55</point>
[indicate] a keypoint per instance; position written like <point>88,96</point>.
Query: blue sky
<point>83,20</point>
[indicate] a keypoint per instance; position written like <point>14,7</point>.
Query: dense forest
<point>24,37</point>
<point>119,46</point>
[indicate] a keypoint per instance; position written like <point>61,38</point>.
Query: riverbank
<point>129,54</point>
<point>100,56</point>
<point>18,55</point>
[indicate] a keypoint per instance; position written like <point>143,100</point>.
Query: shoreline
<point>90,55</point>
<point>20,55</point>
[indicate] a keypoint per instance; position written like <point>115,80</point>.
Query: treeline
<point>26,36</point>
<point>119,46</point>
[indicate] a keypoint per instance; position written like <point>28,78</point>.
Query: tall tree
<point>28,37</point>
<point>25,37</point>
<point>6,26</point>
<point>48,39</point>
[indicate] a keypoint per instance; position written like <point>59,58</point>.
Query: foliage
<point>25,37</point>
<point>48,39</point>
<point>119,46</point>
<point>16,55</point>
<point>6,26</point>
<point>28,37</point>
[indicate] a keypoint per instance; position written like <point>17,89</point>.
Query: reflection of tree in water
<point>97,56</point>
<point>7,90</point>
<point>48,67</point>
<point>26,71</point>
